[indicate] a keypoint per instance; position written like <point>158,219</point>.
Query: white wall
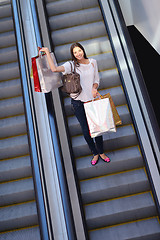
<point>145,15</point>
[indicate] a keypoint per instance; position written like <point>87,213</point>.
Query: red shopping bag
<point>37,86</point>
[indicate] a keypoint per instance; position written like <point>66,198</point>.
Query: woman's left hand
<point>94,92</point>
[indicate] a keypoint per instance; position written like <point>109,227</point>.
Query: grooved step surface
<point>10,88</point>
<point>14,147</point>
<point>121,210</point>
<point>26,234</point>
<point>116,185</point>
<point>15,168</point>
<point>77,33</point>
<point>145,229</point>
<point>11,107</point>
<point>18,216</point>
<point>8,54</point>
<point>75,18</point>
<point>16,192</point>
<point>12,126</point>
<point>121,160</point>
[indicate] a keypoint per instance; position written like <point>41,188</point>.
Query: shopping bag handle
<point>99,96</point>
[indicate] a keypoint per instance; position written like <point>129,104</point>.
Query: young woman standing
<point>89,79</point>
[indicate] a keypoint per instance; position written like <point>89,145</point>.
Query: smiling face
<point>78,53</point>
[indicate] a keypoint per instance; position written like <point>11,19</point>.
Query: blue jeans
<point>95,147</point>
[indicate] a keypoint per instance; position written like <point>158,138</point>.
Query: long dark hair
<point>74,59</point>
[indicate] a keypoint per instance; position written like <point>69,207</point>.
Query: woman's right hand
<point>43,49</point>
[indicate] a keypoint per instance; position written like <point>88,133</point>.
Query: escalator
<point>18,208</point>
<point>117,197</point>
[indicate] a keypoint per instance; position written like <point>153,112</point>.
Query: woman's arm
<point>50,61</point>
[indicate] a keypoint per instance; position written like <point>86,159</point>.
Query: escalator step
<point>11,88</point>
<point>75,18</point>
<point>9,71</point>
<point>16,192</point>
<point>121,160</point>
<point>7,39</point>
<point>61,7</point>
<point>25,234</point>
<point>120,210</point>
<point>78,33</point>
<point>12,126</point>
<point>18,216</point>
<point>8,54</point>
<point>11,107</point>
<point>6,24</point>
<point>15,168</point>
<point>147,229</point>
<point>14,147</point>
<point>115,185</point>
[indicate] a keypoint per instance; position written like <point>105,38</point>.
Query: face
<point>78,53</point>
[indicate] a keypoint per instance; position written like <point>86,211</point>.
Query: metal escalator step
<point>147,229</point>
<point>14,147</point>
<point>120,210</point>
<point>92,47</point>
<point>124,137</point>
<point>18,216</point>
<point>12,126</point>
<point>25,234</point>
<point>75,128</point>
<point>15,168</point>
<point>11,88</point>
<point>75,18</point>
<point>11,107</point>
<point>105,61</point>
<point>16,192</point>
<point>5,10</point>
<point>121,160</point>
<point>60,7</point>
<point>109,78</point>
<point>78,33</point>
<point>113,186</point>
<point>7,39</point>
<point>8,54</point>
<point>6,24</point>
<point>9,71</point>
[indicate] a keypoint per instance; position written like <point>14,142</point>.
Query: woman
<point>89,79</point>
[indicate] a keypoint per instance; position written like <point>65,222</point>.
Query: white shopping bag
<point>47,79</point>
<point>99,117</point>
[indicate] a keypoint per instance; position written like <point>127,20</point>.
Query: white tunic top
<point>88,76</point>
